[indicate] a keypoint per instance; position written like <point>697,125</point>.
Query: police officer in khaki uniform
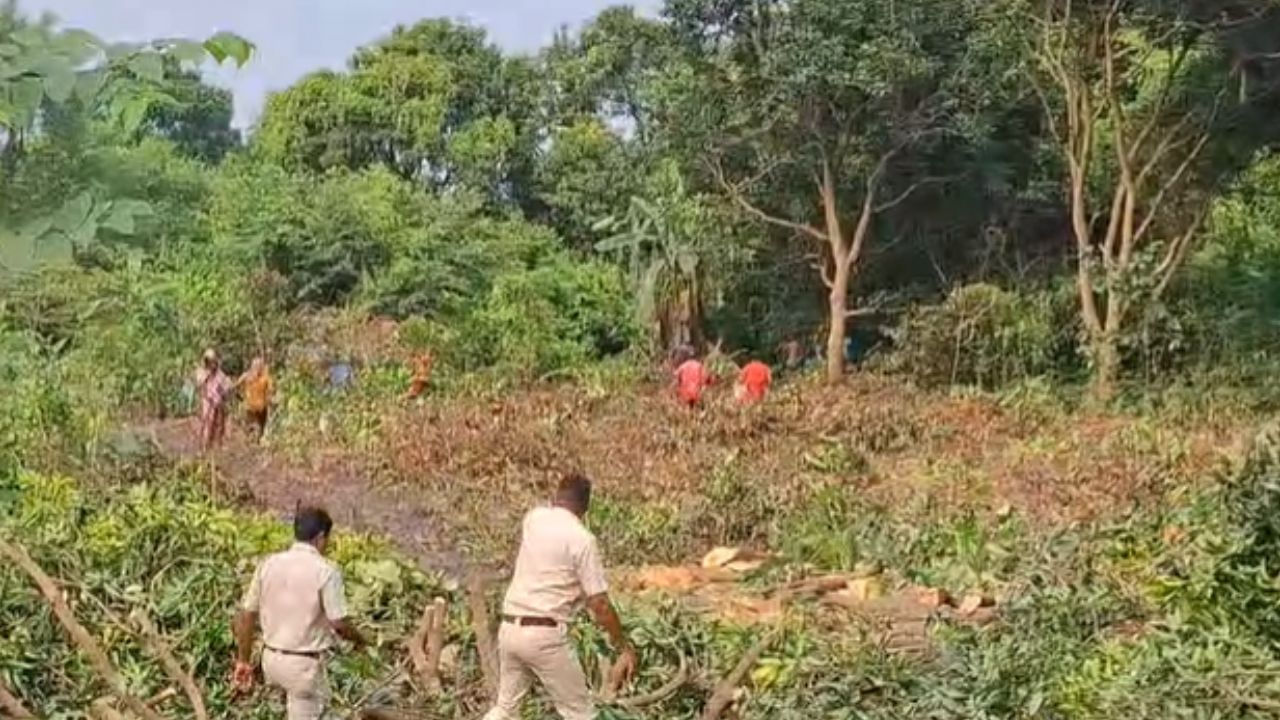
<point>297,598</point>
<point>557,568</point>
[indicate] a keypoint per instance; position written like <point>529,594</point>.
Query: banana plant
<point>661,243</point>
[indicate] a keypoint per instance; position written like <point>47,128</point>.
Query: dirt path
<point>335,483</point>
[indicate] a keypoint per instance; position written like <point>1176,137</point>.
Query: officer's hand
<point>241,677</point>
<point>624,669</point>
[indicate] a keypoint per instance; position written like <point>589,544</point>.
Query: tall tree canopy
<point>828,115</point>
<point>435,102</point>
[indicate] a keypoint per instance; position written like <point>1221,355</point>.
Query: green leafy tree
<point>827,116</point>
<point>1153,106</point>
<point>48,75</point>
<point>193,114</point>
<point>436,102</point>
<point>588,172</point>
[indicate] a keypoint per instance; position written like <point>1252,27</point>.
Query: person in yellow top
<point>257,387</point>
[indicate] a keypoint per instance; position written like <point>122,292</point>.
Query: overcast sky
<point>295,37</point>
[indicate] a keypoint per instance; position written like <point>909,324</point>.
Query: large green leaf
<point>25,94</point>
<point>147,66</point>
<point>74,213</point>
<point>59,82</point>
<point>225,45</point>
<point>132,110</point>
<point>647,292</point>
<point>52,249</point>
<point>124,214</point>
<point>622,241</point>
<point>89,83</point>
<point>29,37</point>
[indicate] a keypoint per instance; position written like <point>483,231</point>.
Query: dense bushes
<point>985,336</point>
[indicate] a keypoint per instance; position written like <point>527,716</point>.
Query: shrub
<point>550,319</point>
<point>985,336</point>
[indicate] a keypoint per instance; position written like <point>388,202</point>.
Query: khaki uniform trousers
<point>526,652</point>
<point>303,680</point>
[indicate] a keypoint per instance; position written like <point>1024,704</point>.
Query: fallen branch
<point>11,706</point>
<point>81,637</point>
<point>486,644</point>
<point>427,643</point>
<point>156,645</point>
<point>727,688</point>
<point>635,702</point>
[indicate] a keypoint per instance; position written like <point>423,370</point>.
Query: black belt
<point>313,655</point>
<point>534,621</point>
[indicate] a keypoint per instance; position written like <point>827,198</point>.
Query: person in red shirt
<point>753,382</point>
<point>691,378</point>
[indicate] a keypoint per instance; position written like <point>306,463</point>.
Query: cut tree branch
<point>723,695</point>
<point>156,645</point>
<point>81,637</point>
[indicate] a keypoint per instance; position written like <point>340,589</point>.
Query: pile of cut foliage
<point>1167,613</point>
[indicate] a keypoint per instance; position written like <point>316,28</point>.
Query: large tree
<point>436,102</point>
<point>1154,105</point>
<point>818,117</point>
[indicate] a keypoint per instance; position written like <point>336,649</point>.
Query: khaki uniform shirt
<point>296,593</point>
<point>558,566</point>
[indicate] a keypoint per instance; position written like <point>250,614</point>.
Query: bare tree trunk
<point>839,309</point>
<point>1106,368</point>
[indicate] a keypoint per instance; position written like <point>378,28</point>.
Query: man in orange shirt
<point>753,382</point>
<point>691,377</point>
<point>256,385</point>
<point>421,376</point>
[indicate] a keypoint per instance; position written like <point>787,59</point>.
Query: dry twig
<point>81,637</point>
<point>104,709</point>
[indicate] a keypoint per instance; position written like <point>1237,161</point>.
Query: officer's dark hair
<point>310,523</point>
<point>574,493</point>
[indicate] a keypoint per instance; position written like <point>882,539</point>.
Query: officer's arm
<point>246,620</point>
<point>335,609</point>
<point>594,585</point>
<point>606,617</point>
<point>242,627</point>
